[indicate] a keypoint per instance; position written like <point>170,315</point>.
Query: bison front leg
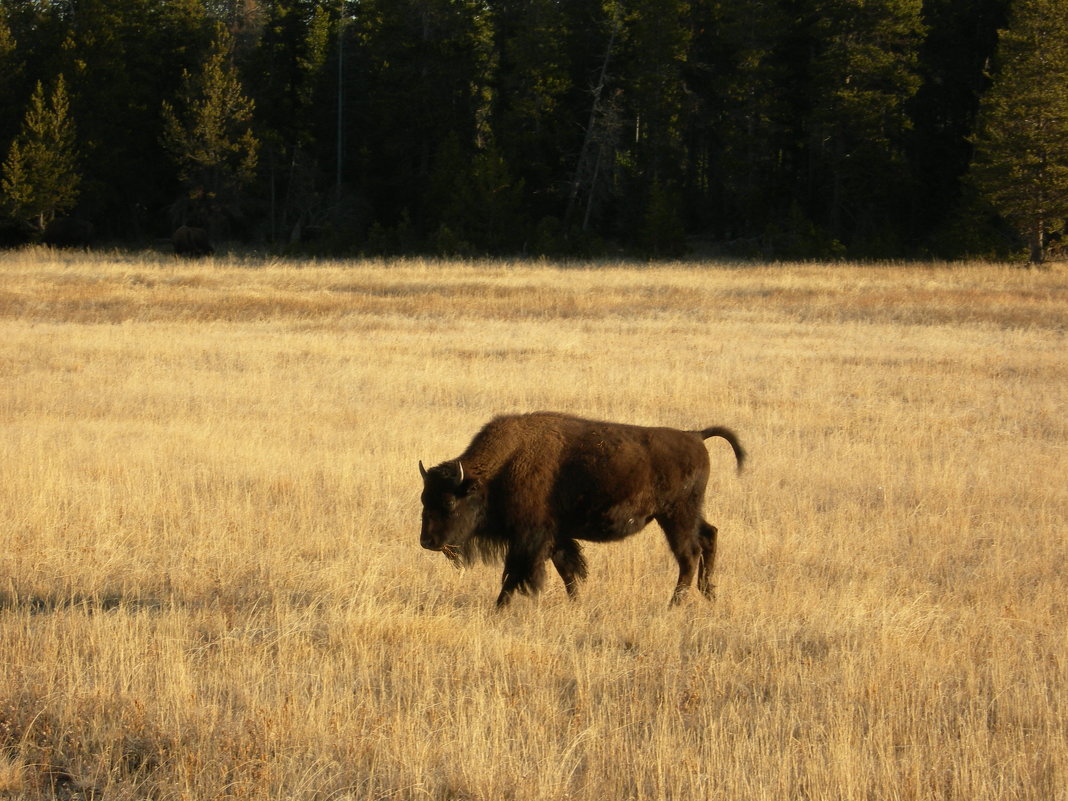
<point>523,571</point>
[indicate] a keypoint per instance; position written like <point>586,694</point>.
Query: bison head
<point>452,509</point>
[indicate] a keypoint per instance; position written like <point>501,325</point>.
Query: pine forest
<point>788,129</point>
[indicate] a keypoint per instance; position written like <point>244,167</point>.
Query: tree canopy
<point>1021,157</point>
<point>210,141</point>
<point>782,128</point>
<point>40,176</point>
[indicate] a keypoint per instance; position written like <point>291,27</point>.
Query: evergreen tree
<point>746,77</point>
<point>210,139</point>
<point>287,77</point>
<point>657,43</point>
<point>863,75</point>
<point>662,234</point>
<point>38,31</point>
<point>425,69</point>
<point>286,68</point>
<point>120,58</point>
<point>960,41</point>
<point>655,48</point>
<point>532,124</point>
<point>477,202</point>
<point>1021,147</point>
<point>10,74</point>
<point>40,176</point>
<point>774,125</point>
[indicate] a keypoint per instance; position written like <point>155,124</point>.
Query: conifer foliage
<point>40,176</point>
<point>774,128</point>
<point>1021,157</point>
<point>211,141</point>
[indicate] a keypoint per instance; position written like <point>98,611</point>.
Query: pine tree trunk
<point>589,140</point>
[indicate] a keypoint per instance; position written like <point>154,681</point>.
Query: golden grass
<point>211,585</point>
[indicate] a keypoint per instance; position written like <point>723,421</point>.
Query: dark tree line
<point>790,128</point>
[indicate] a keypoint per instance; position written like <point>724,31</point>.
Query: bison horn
<point>460,465</point>
<point>422,470</point>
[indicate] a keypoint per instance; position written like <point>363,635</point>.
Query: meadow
<point>211,585</point>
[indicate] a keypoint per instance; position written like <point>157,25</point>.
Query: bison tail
<point>727,434</point>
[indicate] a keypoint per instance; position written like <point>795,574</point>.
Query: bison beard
<point>528,487</point>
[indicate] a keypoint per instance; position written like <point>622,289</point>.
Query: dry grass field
<point>211,585</point>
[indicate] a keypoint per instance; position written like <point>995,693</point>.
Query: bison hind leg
<point>684,538</point>
<point>707,534</point>
<point>570,564</point>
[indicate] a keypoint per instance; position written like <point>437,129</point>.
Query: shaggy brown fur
<point>529,486</point>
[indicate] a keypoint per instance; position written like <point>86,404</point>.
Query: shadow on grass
<point>46,603</point>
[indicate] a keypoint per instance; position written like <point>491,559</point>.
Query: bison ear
<point>422,470</point>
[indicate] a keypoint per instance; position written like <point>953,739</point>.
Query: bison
<point>530,486</point>
<point>191,242</point>
<point>69,232</point>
